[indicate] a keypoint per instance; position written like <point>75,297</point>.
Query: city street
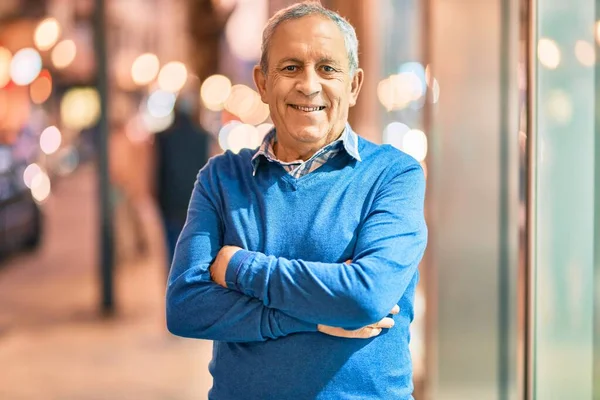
<point>54,343</point>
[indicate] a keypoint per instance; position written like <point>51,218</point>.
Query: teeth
<point>307,109</point>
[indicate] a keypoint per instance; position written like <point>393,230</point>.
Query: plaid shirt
<point>348,141</point>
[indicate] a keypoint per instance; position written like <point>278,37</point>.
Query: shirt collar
<point>348,138</point>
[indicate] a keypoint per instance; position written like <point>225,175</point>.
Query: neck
<point>289,151</point>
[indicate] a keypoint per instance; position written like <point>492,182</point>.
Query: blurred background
<point>108,108</point>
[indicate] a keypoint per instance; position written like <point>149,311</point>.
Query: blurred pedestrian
<point>181,151</point>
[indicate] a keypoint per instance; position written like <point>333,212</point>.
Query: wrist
<point>234,263</point>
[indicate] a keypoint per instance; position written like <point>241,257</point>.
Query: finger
<point>375,332</point>
<point>348,262</point>
<point>395,310</point>
<point>384,323</point>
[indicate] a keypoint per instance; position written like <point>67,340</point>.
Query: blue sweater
<point>297,234</point>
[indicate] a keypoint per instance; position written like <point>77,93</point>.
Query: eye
<point>290,68</point>
<point>327,68</point>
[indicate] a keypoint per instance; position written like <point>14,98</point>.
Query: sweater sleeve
<point>196,307</point>
<point>390,245</point>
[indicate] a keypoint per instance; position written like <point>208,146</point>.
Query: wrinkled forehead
<point>308,39</point>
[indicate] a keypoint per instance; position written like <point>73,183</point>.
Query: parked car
<point>20,223</point>
<point>21,218</point>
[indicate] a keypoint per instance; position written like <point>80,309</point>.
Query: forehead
<point>307,38</point>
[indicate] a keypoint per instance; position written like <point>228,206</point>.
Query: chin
<point>310,134</point>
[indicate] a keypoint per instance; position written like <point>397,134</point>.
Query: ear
<point>260,80</point>
<point>356,85</point>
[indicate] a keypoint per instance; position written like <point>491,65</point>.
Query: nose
<point>309,82</point>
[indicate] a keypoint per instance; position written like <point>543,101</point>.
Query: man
<point>294,255</point>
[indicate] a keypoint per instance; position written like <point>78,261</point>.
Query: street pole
<point>106,223</point>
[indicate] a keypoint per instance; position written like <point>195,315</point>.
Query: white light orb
<point>214,92</point>
<point>393,134</point>
<point>63,54</point>
<point>172,76</point>
<point>160,103</point>
<point>25,66</point>
<point>243,136</point>
<point>154,124</point>
<point>548,53</point>
<point>30,172</point>
<point>46,34</point>
<point>145,68</point>
<point>224,132</point>
<point>415,144</point>
<point>40,187</point>
<point>585,53</point>
<point>50,140</point>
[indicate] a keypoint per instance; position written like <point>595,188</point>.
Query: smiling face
<point>308,86</point>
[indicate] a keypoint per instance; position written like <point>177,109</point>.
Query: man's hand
<point>366,332</point>
<point>219,267</point>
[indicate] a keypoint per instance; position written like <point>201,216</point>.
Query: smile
<point>307,109</point>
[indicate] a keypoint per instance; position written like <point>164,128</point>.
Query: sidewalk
<point>53,342</point>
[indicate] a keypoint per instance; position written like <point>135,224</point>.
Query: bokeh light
<point>172,76</point>
<point>224,132</point>
<point>63,54</point>
<point>145,68</point>
<point>436,90</point>
<point>30,172</point>
<point>244,29</point>
<point>263,129</point>
<point>548,53</point>
<point>243,136</point>
<point>80,108</point>
<point>68,160</point>
<point>5,59</point>
<point>585,53</point>
<point>257,114</point>
<point>160,103</point>
<point>46,34</point>
<point>393,134</point>
<point>41,89</point>
<point>136,130</point>
<point>214,92</point>
<point>414,143</point>
<point>40,186</point>
<point>153,124</point>
<point>25,66</point>
<point>559,106</point>
<point>246,104</point>
<point>415,69</point>
<point>50,140</point>
<point>398,91</point>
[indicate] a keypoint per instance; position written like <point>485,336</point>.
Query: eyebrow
<point>327,60</point>
<point>290,59</point>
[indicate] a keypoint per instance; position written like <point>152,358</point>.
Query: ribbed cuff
<point>289,325</point>
<point>233,268</point>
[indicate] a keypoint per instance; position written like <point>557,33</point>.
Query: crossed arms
<point>267,297</point>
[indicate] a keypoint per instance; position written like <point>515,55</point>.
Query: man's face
<point>308,86</point>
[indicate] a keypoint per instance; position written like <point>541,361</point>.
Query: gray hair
<point>304,9</point>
